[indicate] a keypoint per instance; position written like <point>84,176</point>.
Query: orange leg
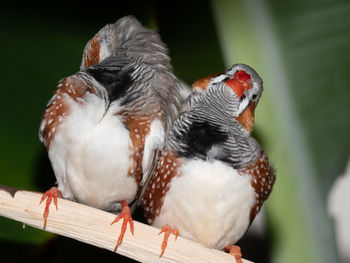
<point>125,213</point>
<point>53,192</point>
<point>167,230</point>
<point>234,251</point>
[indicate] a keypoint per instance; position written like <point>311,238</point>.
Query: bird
<point>212,176</point>
<point>246,118</point>
<point>106,125</point>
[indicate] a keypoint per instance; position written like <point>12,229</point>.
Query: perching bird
<point>106,124</point>
<point>212,177</point>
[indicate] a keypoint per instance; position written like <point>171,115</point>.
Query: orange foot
<point>125,213</point>
<point>234,251</point>
<point>167,230</point>
<point>53,192</point>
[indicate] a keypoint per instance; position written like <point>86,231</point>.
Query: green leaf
<point>302,51</point>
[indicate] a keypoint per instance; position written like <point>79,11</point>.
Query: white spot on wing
<point>154,141</point>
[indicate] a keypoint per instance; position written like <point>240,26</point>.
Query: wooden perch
<point>92,226</point>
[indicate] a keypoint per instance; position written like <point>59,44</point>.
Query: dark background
<point>43,42</point>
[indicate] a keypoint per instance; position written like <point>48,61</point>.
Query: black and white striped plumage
<point>212,176</point>
<point>209,131</point>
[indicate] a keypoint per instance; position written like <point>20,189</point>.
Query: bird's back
<point>101,124</point>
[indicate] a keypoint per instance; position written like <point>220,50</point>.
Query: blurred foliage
<point>302,51</point>
<point>300,48</point>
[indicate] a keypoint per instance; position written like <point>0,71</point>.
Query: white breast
<point>209,203</point>
<point>91,156</point>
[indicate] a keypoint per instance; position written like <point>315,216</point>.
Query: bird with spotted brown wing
<point>105,125</point>
<point>212,177</point>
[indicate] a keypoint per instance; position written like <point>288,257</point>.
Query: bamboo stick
<point>92,226</point>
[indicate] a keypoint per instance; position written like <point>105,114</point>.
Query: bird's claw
<point>53,192</point>
<point>124,213</point>
<point>167,230</point>
<point>234,251</point>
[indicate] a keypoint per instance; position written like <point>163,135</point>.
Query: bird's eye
<point>254,96</point>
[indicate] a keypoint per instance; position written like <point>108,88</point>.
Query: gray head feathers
<point>248,92</point>
<point>131,64</point>
<point>209,131</point>
<point>126,37</point>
